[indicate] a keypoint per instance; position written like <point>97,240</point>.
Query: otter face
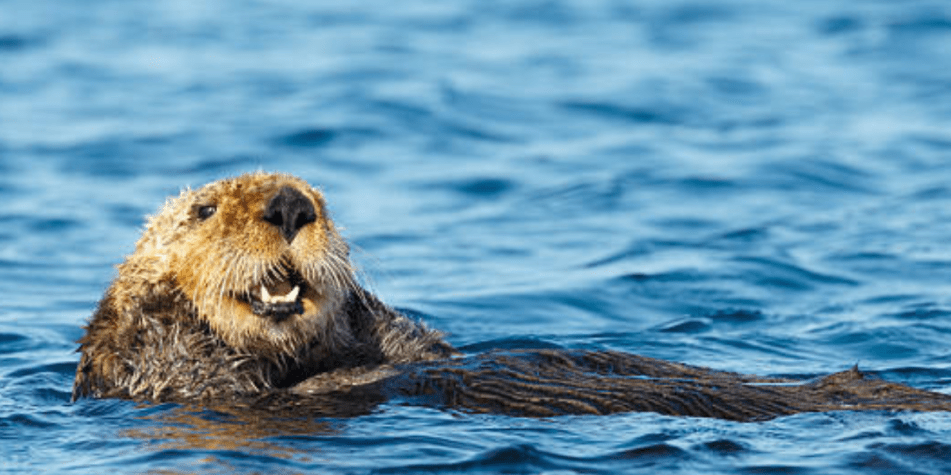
<point>258,258</point>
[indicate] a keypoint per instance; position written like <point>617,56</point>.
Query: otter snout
<point>290,211</point>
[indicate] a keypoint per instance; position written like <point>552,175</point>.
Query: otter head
<point>258,260</point>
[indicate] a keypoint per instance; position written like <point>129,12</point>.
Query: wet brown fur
<point>172,326</point>
<point>175,326</point>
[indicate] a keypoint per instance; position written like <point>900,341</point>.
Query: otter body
<point>242,290</point>
<point>239,287</point>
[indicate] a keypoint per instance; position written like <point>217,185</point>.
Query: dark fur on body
<point>162,357</point>
<point>554,382</point>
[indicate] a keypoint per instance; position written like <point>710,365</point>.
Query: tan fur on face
<point>231,253</point>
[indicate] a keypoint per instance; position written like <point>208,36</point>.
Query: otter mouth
<point>278,299</point>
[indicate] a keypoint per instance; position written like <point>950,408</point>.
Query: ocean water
<point>754,186</point>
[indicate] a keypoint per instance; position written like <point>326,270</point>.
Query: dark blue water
<point>755,186</point>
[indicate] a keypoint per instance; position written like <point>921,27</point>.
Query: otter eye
<point>205,212</point>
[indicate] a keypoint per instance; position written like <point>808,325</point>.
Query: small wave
<point>12,342</point>
<point>316,137</point>
<point>512,343</point>
<point>11,43</point>
<point>634,114</point>
<point>776,273</point>
<point>23,421</point>
<point>65,368</point>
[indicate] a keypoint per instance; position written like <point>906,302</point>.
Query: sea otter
<point>238,287</point>
<point>243,290</point>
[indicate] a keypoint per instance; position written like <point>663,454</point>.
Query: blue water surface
<point>756,186</point>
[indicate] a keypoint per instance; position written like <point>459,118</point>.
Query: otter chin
<point>237,287</point>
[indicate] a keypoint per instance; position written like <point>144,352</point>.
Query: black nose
<point>289,210</point>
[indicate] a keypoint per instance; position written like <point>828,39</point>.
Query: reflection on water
<point>227,429</point>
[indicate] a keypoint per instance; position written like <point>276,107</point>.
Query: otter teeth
<point>291,296</point>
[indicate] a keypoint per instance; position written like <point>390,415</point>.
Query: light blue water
<point>755,186</point>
